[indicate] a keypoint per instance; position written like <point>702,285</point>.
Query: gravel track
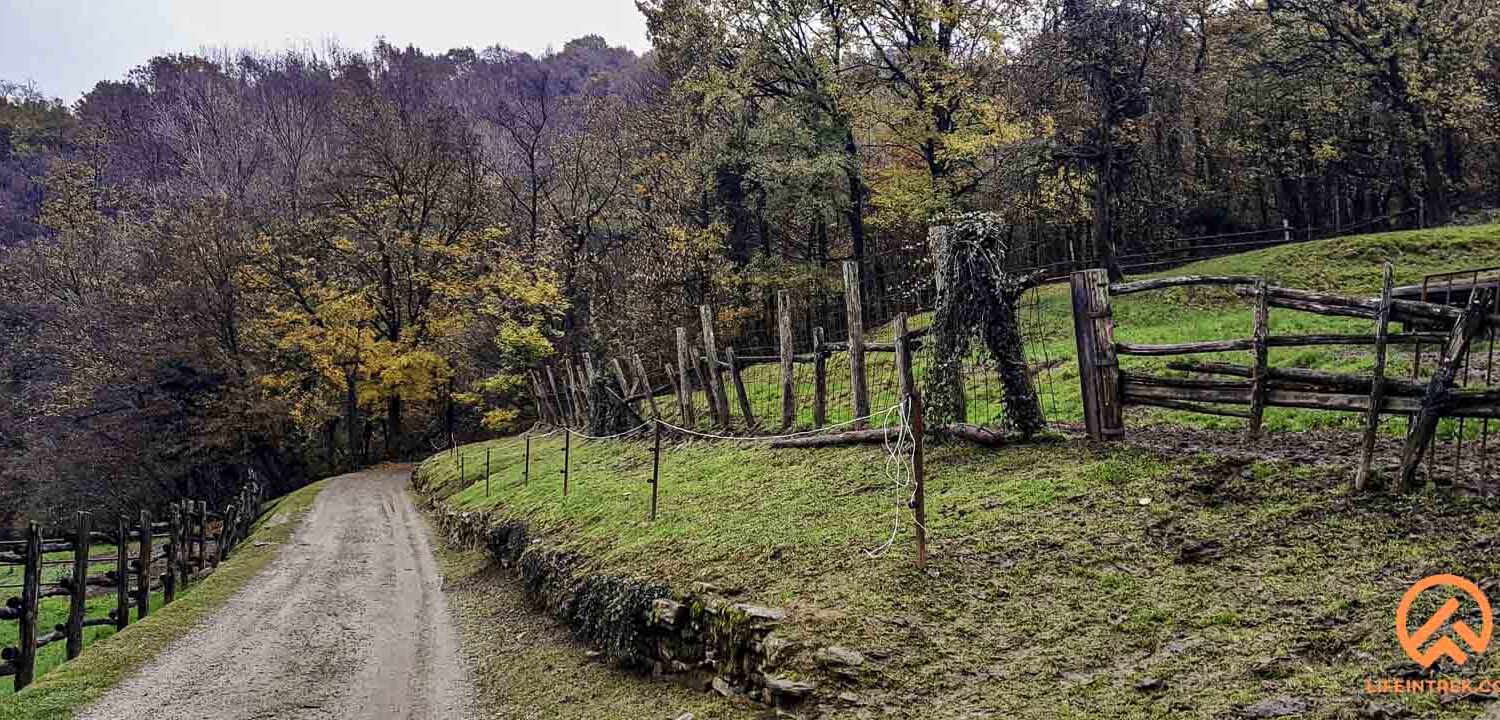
<point>348,622</point>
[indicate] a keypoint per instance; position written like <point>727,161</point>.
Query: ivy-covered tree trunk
<point>977,298</point>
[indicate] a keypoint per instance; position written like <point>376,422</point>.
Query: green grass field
<point>109,657</point>
<point>1066,581</point>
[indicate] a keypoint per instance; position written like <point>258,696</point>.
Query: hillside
<point>1132,580</point>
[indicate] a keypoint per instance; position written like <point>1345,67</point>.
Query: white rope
<point>573,432</point>
<point>770,438</point>
<point>899,465</point>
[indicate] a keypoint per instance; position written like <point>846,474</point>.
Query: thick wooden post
<point>562,403</point>
<point>1425,424</point>
<point>1098,369</point>
<point>640,371</point>
<point>904,376</point>
<point>1377,382</point>
<point>185,554</point>
<point>739,388</point>
<point>589,373</point>
<point>31,597</point>
<point>625,385</point>
<point>226,529</point>
<point>919,479</point>
<point>1262,357</point>
<point>655,465</point>
<point>855,316</point>
<point>78,587</point>
<point>685,367</point>
<point>202,534</point>
<point>122,573</point>
<point>717,395</point>
<point>174,548</point>
<point>820,379</point>
<point>788,368</point>
<point>567,459</point>
<point>143,574</point>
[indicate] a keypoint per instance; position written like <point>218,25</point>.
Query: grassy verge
<point>108,661</point>
<point>1062,578</point>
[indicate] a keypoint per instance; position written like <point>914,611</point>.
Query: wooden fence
<point>561,390</point>
<point>1107,389</point>
<point>193,541</point>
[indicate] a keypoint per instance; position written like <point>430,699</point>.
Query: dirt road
<point>349,622</point>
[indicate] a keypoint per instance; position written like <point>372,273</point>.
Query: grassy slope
<point>1055,585</point>
<point>111,657</point>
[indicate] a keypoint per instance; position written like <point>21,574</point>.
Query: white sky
<point>65,46</point>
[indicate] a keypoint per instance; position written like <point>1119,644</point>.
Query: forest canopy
<point>299,261</point>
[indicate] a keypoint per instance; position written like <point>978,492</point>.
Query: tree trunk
<point>351,414</point>
<point>856,212</point>
<point>393,410</point>
<point>1436,191</point>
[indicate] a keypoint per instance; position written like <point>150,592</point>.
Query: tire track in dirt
<point>348,622</point>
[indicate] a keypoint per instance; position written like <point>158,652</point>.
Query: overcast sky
<point>65,46</point>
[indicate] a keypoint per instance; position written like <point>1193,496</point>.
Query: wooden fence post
<point>655,465</point>
<point>143,574</point>
<point>919,479</point>
<point>1262,356</point>
<point>1098,368</point>
<point>122,573</point>
<point>1464,329</point>
<point>185,555</point>
<point>739,388</point>
<point>567,459</point>
<point>820,379</point>
<point>78,586</point>
<point>640,370</point>
<point>788,368</point>
<point>904,374</point>
<point>625,387</point>
<point>174,547</point>
<point>562,403</point>
<point>226,528</point>
<point>715,377</point>
<point>31,596</point>
<point>854,315</point>
<point>202,534</point>
<point>685,367</point>
<point>1377,382</point>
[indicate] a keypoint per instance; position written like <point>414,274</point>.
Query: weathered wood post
<point>855,316</point>
<point>202,534</point>
<point>562,403</point>
<point>174,548</point>
<point>576,399</point>
<point>1469,322</point>
<point>625,386</point>
<point>655,465</point>
<point>185,554</point>
<point>1098,368</point>
<point>685,367</point>
<point>640,370</point>
<point>1377,382</point>
<point>904,376</point>
<point>122,573</point>
<point>919,479</point>
<point>788,368</point>
<point>78,587</point>
<point>226,529</point>
<point>31,597</point>
<point>143,573</point>
<point>1262,356</point>
<point>820,379</point>
<point>544,411</point>
<point>567,459</point>
<point>717,396</point>
<point>739,388</point>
